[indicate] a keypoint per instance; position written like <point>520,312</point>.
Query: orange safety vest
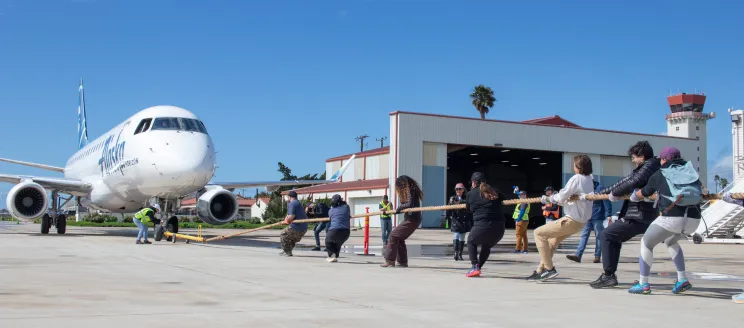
<point>556,213</point>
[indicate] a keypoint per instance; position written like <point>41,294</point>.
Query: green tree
<point>276,207</point>
<point>724,183</point>
<point>483,99</point>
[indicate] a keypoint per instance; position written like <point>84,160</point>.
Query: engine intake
<point>217,206</point>
<point>27,201</point>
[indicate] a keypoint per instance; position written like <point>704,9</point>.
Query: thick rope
<point>591,197</point>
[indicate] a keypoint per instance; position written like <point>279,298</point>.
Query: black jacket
<point>658,183</point>
<point>460,220</point>
<point>640,211</point>
<point>486,213</point>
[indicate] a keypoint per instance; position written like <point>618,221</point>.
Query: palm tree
<point>717,180</point>
<point>483,99</point>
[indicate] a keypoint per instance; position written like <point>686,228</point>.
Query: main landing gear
<point>57,220</point>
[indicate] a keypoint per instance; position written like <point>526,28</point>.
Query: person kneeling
<point>339,227</point>
<point>576,213</point>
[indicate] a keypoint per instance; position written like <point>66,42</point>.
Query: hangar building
<point>439,151</point>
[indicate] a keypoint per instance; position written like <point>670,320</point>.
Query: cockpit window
<point>190,125</point>
<point>178,123</point>
<point>166,123</point>
<point>143,126</point>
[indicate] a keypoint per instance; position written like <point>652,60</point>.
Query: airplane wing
<point>38,166</point>
<point>273,185</point>
<point>59,184</point>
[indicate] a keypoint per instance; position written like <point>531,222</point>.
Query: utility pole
<point>361,141</point>
<point>382,140</point>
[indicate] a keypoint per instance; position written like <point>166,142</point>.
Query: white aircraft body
<point>162,153</point>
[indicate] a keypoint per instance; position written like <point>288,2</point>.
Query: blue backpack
<point>684,185</point>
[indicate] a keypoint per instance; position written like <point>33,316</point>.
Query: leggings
<point>458,236</point>
<point>486,238</point>
<point>334,240</point>
<point>668,230</point>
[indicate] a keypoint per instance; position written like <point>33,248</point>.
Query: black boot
<point>462,246</point>
<point>456,247</point>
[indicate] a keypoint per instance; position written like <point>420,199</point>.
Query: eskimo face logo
<point>113,151</point>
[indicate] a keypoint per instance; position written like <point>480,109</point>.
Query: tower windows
<point>677,128</point>
<point>697,127</point>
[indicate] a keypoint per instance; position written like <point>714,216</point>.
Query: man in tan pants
<point>549,236</point>
<point>521,218</point>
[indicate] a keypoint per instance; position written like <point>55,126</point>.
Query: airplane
<point>160,155</point>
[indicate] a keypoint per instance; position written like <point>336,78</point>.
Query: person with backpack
<point>320,211</point>
<point>679,195</point>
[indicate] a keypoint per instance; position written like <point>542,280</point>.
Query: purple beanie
<point>670,153</point>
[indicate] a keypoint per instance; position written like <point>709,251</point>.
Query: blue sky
<point>296,81</point>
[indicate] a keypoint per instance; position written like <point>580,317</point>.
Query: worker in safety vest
<point>386,220</point>
<point>521,218</point>
<point>141,219</point>
<point>551,212</point>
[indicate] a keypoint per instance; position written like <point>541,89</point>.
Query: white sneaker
<point>331,259</point>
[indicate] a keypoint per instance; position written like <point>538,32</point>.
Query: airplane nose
<point>190,158</point>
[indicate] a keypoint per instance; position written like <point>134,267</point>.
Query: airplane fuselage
<point>161,151</point>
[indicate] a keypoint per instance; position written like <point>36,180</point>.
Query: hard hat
<point>156,207</point>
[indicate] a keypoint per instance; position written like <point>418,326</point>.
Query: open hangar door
<point>531,170</point>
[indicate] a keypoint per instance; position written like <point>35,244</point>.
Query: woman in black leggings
<point>339,227</point>
<point>488,221</point>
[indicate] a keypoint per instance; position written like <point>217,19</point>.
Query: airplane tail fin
<point>82,121</point>
<point>343,168</point>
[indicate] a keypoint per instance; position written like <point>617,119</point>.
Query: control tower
<point>687,120</point>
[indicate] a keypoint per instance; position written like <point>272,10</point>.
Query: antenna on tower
<point>361,141</point>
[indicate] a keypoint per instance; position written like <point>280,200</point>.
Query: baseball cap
<point>670,153</point>
<point>292,194</point>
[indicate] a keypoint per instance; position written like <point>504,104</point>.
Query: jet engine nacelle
<point>27,201</point>
<point>216,206</point>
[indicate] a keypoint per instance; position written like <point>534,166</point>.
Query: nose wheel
<point>171,226</point>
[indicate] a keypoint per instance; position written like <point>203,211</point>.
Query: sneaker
<point>138,242</point>
<point>738,298</point>
<point>474,272</point>
<point>604,281</point>
<point>283,253</point>
<point>534,276</point>
<point>403,265</point>
<point>548,274</point>
<point>639,288</point>
<point>574,258</point>
<point>524,252</point>
<point>316,248</point>
<point>681,286</point>
<point>388,264</point>
<point>331,259</point>
<point>516,251</point>
<point>597,259</point>
<point>147,242</point>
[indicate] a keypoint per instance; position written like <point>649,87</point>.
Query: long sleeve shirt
<point>579,210</point>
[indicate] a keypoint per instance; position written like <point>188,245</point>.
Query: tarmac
<point>91,277</point>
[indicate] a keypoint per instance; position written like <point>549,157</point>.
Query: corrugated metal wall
<point>408,143</point>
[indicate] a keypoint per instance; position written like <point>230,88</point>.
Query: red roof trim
<point>371,152</point>
<point>537,124</point>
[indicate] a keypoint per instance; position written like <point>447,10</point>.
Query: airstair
<point>722,222</point>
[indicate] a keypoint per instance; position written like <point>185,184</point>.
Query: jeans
<point>318,228</point>
<point>387,227</point>
<point>142,229</point>
<point>597,225</point>
<point>612,239</point>
<point>459,236</point>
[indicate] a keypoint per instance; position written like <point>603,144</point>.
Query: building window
<point>698,159</point>
<point>698,148</point>
<point>697,127</point>
<point>677,128</point>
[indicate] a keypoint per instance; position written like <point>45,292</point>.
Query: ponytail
<point>487,192</point>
